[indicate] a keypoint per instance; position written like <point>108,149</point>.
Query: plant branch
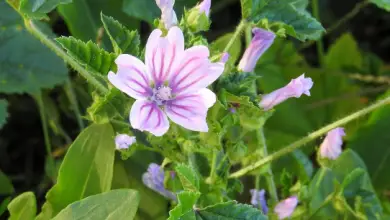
<point>300,143</point>
<point>74,103</point>
<point>320,45</point>
<point>36,32</point>
<point>358,7</point>
<point>236,34</point>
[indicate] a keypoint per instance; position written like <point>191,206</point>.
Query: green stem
<point>236,34</point>
<point>42,113</point>
<point>73,102</point>
<point>300,143</point>
<point>270,176</point>
<point>358,7</point>
<point>320,46</point>
<point>36,32</point>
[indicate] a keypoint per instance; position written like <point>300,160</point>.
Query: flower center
<point>162,94</point>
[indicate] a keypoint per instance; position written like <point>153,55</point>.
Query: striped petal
<point>147,116</point>
<point>131,77</point>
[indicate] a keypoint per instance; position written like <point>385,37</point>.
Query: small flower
<point>331,146</point>
<point>168,15</point>
<point>295,88</point>
<point>205,6</point>
<point>225,57</point>
<point>172,83</point>
<point>124,141</point>
<point>285,208</point>
<point>154,179</point>
<point>261,41</point>
<point>258,200</point>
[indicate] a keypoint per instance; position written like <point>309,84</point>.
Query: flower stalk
<point>300,143</point>
<point>241,26</point>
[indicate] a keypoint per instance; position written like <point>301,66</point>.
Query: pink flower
<point>124,141</point>
<point>168,15</point>
<point>285,208</point>
<point>205,6</point>
<point>261,41</point>
<point>295,88</point>
<point>331,147</point>
<point>172,83</point>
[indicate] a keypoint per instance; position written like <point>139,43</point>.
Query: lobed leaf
<point>23,207</point>
<point>88,54</point>
<point>188,177</point>
<point>229,210</point>
<point>37,9</point>
<point>123,40</point>
<point>184,210</point>
<point>384,4</point>
<point>90,158</point>
<point>115,204</point>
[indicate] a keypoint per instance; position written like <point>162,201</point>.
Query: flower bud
<point>261,41</point>
<point>154,179</point>
<point>258,200</point>
<point>285,208</point>
<point>168,15</point>
<point>198,17</point>
<point>331,146</point>
<point>225,57</point>
<point>295,88</point>
<point>124,141</point>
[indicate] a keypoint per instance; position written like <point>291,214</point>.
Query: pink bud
<point>124,141</point>
<point>205,7</point>
<point>285,208</point>
<point>331,146</point>
<point>261,41</point>
<point>165,3</point>
<point>168,15</point>
<point>295,88</point>
<point>225,57</point>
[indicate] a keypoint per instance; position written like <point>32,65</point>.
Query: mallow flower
<point>154,179</point>
<point>258,200</point>
<point>205,6</point>
<point>168,15</point>
<point>295,88</point>
<point>331,146</point>
<point>285,208</point>
<point>124,141</point>
<point>261,41</point>
<point>172,83</point>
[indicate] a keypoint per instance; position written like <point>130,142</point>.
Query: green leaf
<point>184,210</point>
<point>188,177</point>
<point>3,113</point>
<point>6,187</point>
<point>147,10</point>
<point>371,142</point>
<point>229,210</point>
<point>88,54</point>
<point>344,54</point>
<point>384,4</point>
<point>4,204</point>
<point>297,22</point>
<point>83,18</point>
<point>90,158</point>
<point>38,9</point>
<point>234,51</point>
<point>26,65</point>
<point>115,204</point>
<point>123,40</point>
<point>23,207</point>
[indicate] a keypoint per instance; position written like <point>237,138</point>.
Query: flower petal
<point>195,71</point>
<point>147,116</point>
<point>131,77</point>
<point>163,53</point>
<point>190,110</point>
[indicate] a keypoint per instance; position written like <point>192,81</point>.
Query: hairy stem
<point>73,102</point>
<point>270,176</point>
<point>236,34</point>
<point>320,45</point>
<point>42,113</point>
<point>300,143</point>
<point>36,32</point>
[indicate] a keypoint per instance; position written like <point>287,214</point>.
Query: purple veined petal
<point>124,141</point>
<point>163,54</point>
<point>205,6</point>
<point>190,110</point>
<point>261,41</point>
<point>131,77</point>
<point>209,97</point>
<point>195,71</point>
<point>331,147</point>
<point>147,116</point>
<point>285,208</point>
